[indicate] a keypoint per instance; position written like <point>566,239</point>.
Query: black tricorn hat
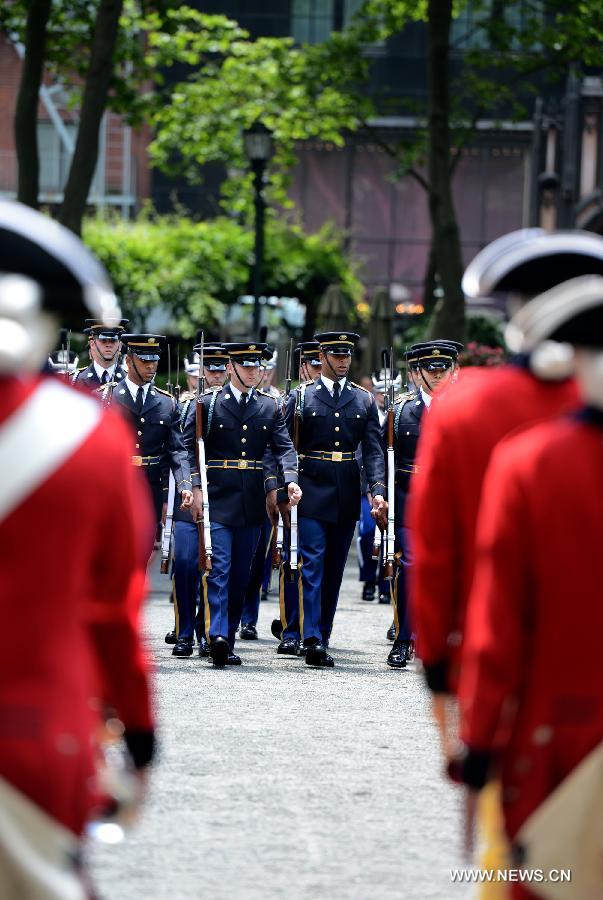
<point>73,282</point>
<point>531,260</point>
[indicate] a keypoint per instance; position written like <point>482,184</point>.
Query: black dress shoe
<point>277,629</point>
<point>248,633</point>
<point>318,657</point>
<point>263,596</point>
<point>302,650</point>
<point>233,660</point>
<point>368,591</point>
<point>391,632</point>
<point>171,637</point>
<point>385,598</point>
<point>399,655</point>
<point>288,647</point>
<point>219,651</point>
<point>183,647</point>
<point>203,646</point>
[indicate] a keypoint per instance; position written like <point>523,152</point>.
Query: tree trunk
<point>26,113</point>
<point>449,316</point>
<point>430,283</point>
<point>94,103</point>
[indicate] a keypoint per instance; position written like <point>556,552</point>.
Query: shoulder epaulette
<point>407,395</point>
<point>186,395</point>
<point>359,386</point>
<point>270,396</point>
<point>83,369</point>
<point>165,393</point>
<point>212,390</point>
<point>306,383</point>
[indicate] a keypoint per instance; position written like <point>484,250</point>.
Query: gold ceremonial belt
<point>234,464</point>
<point>145,460</point>
<point>329,455</point>
<point>409,470</point>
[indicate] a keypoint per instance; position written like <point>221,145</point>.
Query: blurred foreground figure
<point>526,717</point>
<point>63,461</point>
<point>463,429</point>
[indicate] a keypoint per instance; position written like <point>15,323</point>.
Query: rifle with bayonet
<point>167,536</point>
<point>391,473</point>
<point>293,531</point>
<point>205,549</point>
<point>108,393</point>
<point>278,537</point>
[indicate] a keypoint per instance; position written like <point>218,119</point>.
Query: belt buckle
<point>243,464</point>
<point>137,460</point>
<point>337,456</point>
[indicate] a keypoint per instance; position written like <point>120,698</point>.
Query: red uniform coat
<point>72,557</point>
<point>535,616</point>
<point>457,439</point>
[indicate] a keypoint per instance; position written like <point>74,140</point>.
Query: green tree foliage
<point>194,269</point>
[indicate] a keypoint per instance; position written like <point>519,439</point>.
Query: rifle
<point>67,356</point>
<point>168,528</point>
<point>205,550</point>
<point>278,534</point>
<point>391,474</point>
<point>168,385</point>
<point>293,541</point>
<point>177,385</point>
<point>108,395</point>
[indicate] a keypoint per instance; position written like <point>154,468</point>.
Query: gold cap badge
<point>151,340</point>
<point>343,337</point>
<point>252,346</point>
<point>436,352</point>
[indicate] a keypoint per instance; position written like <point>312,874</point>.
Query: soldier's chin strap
<point>255,386</point>
<point>142,378</point>
<point>336,377</point>
<point>115,355</point>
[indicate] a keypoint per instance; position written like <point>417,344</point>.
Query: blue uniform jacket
<point>157,433</point>
<point>331,490</point>
<point>407,425</point>
<point>87,377</point>
<point>239,437</point>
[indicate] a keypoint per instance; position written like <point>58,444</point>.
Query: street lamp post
<point>258,149</point>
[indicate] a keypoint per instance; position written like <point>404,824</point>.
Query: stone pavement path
<point>277,782</point>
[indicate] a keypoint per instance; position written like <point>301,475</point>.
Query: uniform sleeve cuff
<point>471,767</point>
<point>141,746</point>
<point>436,675</point>
<point>270,483</point>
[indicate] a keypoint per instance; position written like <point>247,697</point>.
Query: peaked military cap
<point>382,379</point>
<point>248,353</point>
<point>531,260</point>
<point>215,358</point>
<point>309,351</point>
<point>145,346</point>
<point>341,343</point>
<point>63,360</point>
<point>436,354</point>
<point>103,330</point>
<point>71,280</point>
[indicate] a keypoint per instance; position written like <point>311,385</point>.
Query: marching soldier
<point>103,346</point>
<point>239,424</point>
<point>433,364</point>
<point>84,622</point>
<point>186,532</point>
<point>336,417</point>
<point>367,532</point>
<point>154,417</point>
<point>286,628</point>
<point>535,723</point>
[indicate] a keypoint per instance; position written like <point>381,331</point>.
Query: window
<point>468,31</point>
<point>312,21</point>
<point>54,160</point>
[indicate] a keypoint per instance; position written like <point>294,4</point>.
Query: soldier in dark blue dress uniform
<point>337,416</point>
<point>103,346</point>
<point>239,424</point>
<point>154,417</point>
<point>186,532</point>
<point>433,364</point>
